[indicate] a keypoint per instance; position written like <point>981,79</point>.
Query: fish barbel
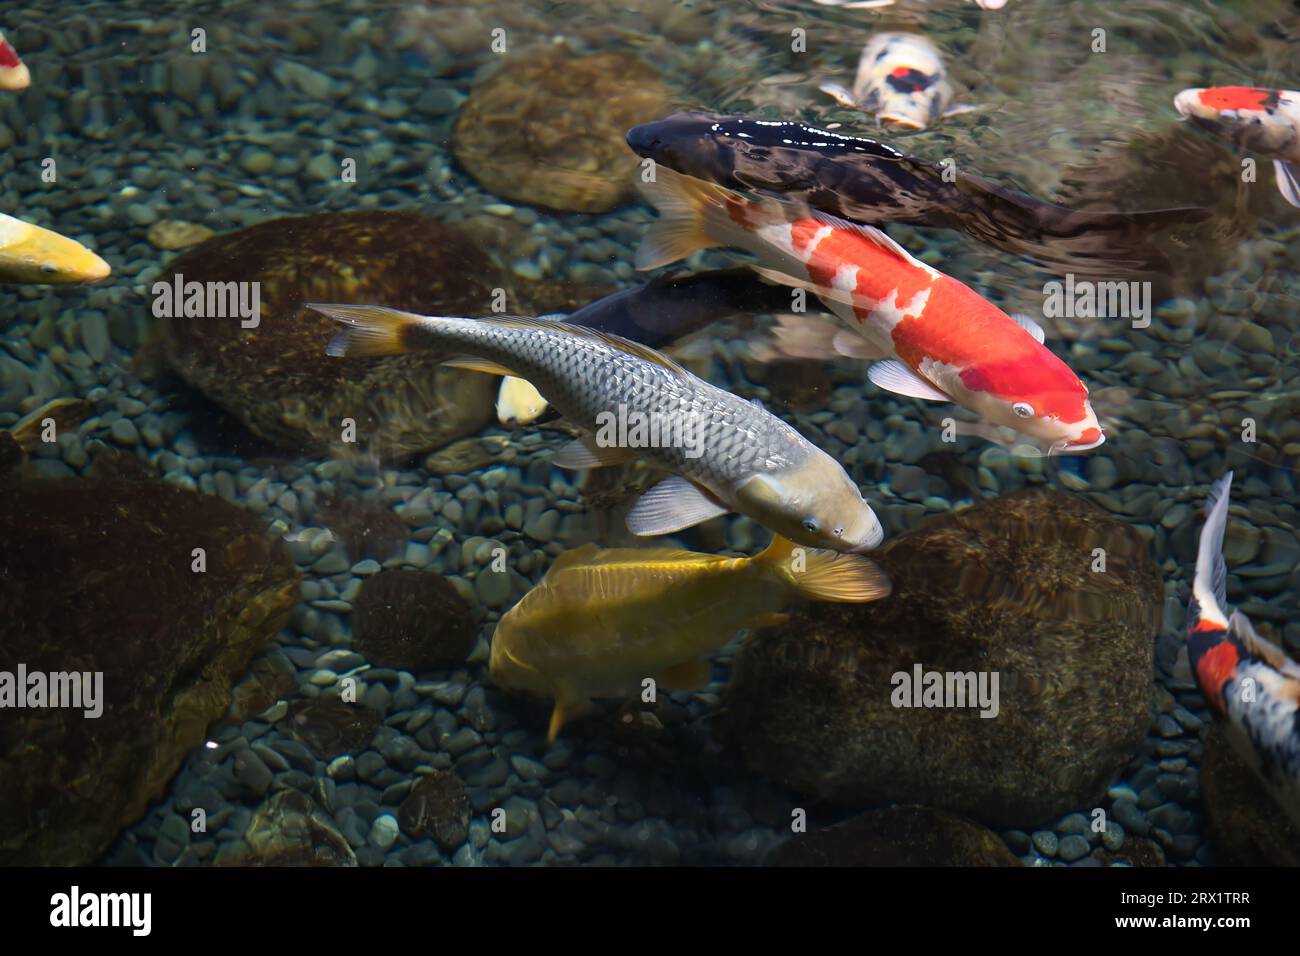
<point>725,454</point>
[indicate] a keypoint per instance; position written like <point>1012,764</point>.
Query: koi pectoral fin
<point>567,708</point>
<point>670,506</point>
<point>893,376</point>
<point>839,94</point>
<point>583,453</point>
<point>1288,180</point>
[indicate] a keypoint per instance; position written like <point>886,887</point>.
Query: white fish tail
<point>1209,587</point>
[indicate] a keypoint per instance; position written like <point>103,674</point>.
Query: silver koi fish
<point>725,454</point>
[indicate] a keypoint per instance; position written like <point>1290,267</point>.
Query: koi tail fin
<point>692,216</point>
<point>1210,585</point>
<point>372,330</point>
<point>826,575</point>
<point>1288,180</point>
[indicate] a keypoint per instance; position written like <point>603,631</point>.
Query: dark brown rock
<point>1246,826</point>
<point>277,379</point>
<point>269,677</point>
<point>896,836</point>
<point>1136,851</point>
<point>11,453</point>
<point>367,529</point>
<point>97,576</point>
<point>547,127</point>
<point>289,830</point>
<point>437,806</point>
<point>328,727</point>
<point>114,463</point>
<point>413,620</point>
<point>1003,587</point>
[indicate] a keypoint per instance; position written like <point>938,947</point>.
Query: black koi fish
<point>870,182</point>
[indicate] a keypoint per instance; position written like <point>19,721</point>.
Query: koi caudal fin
<point>692,216</point>
<point>371,330</point>
<point>826,575</point>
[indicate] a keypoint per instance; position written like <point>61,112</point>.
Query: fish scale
<point>587,376</point>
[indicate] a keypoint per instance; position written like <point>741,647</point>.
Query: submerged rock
<point>276,377</point>
<point>175,234</point>
<point>98,576</point>
<point>289,830</point>
<point>1136,851</point>
<point>367,529</point>
<point>413,620</point>
<point>328,727</point>
<point>1004,588</point>
<point>1245,824</point>
<point>270,677</point>
<point>896,836</point>
<point>438,807</point>
<point>548,126</point>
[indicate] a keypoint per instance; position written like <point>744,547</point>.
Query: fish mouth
<point>1082,443</point>
<point>876,536</point>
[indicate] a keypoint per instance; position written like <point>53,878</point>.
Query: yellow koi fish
<point>603,621</point>
<point>32,254</point>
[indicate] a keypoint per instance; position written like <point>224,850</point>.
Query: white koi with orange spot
<point>935,337</point>
<point>1263,120</point>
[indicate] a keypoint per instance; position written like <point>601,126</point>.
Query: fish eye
<point>810,525</point>
<point>49,269</point>
<point>839,532</point>
<point>1023,410</point>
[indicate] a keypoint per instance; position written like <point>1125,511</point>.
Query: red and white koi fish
<point>14,74</point>
<point>935,337</point>
<point>1249,682</point>
<point>902,80</point>
<point>1264,121</point>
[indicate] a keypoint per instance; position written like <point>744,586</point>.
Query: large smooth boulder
<point>98,576</point>
<point>1006,587</point>
<point>413,620</point>
<point>276,377</point>
<point>547,127</point>
<point>896,836</point>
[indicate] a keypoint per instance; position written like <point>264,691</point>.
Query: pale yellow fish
<point>32,254</point>
<point>519,402</point>
<point>603,621</point>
